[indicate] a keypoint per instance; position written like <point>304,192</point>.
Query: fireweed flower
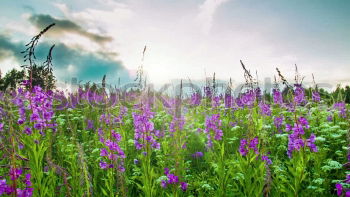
<point>103,165</point>
<point>172,179</point>
<point>207,92</point>
<point>266,159</point>
<point>25,193</point>
<point>341,107</point>
<point>4,188</point>
<point>15,173</point>
<point>239,103</point>
<point>330,118</point>
<point>213,123</point>
<point>295,140</point>
<point>265,109</point>
<point>163,183</point>
<point>248,98</point>
<point>242,148</point>
<point>27,180</point>
<point>316,96</point>
<point>215,102</point>
<point>184,186</point>
<point>195,99</point>
<point>166,171</point>
<point>339,188</point>
<point>303,121</point>
<point>113,153</point>
<point>278,121</point>
<point>288,127</point>
<point>197,155</point>
<point>277,97</point>
<point>311,143</point>
<point>299,94</point>
<point>39,103</point>
<point>347,180</point>
<point>258,93</point>
<point>90,125</point>
<point>136,161</point>
<point>177,124</point>
<point>294,143</point>
<point>144,130</point>
<point>253,145</point>
<point>228,100</point>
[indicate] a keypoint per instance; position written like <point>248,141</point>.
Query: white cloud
<point>184,44</point>
<point>8,64</point>
<point>206,13</point>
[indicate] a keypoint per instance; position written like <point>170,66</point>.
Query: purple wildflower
<point>177,124</point>
<point>27,180</point>
<point>213,123</point>
<point>103,165</point>
<point>197,155</point>
<point>299,94</point>
<point>278,121</point>
<point>316,96</point>
<point>136,161</point>
<point>303,121</point>
<point>90,125</point>
<point>248,98</point>
<point>341,107</point>
<point>253,144</point>
<point>166,171</point>
<point>228,101</point>
<point>330,118</point>
<point>311,143</point>
<point>339,188</point>
<point>184,186</point>
<point>172,179</point>
<point>265,109</point>
<point>163,183</point>
<point>208,92</point>
<point>277,97</point>
<point>104,152</point>
<point>25,193</point>
<point>242,148</point>
<point>27,130</point>
<point>144,130</point>
<point>216,101</point>
<point>266,159</point>
<point>195,99</point>
<point>15,173</point>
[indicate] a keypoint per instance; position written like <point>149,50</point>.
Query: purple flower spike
<point>339,188</point>
<point>163,184</point>
<point>184,186</point>
<point>15,173</point>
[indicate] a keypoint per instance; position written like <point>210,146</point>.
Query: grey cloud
<point>88,66</point>
<point>65,26</point>
<point>8,48</point>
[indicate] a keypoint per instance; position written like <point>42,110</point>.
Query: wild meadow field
<point>201,141</point>
<point>138,143</point>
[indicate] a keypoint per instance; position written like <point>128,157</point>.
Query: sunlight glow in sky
<point>185,39</point>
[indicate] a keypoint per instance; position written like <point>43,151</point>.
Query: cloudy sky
<point>184,39</point>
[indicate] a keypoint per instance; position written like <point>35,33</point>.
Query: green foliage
<point>12,79</point>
